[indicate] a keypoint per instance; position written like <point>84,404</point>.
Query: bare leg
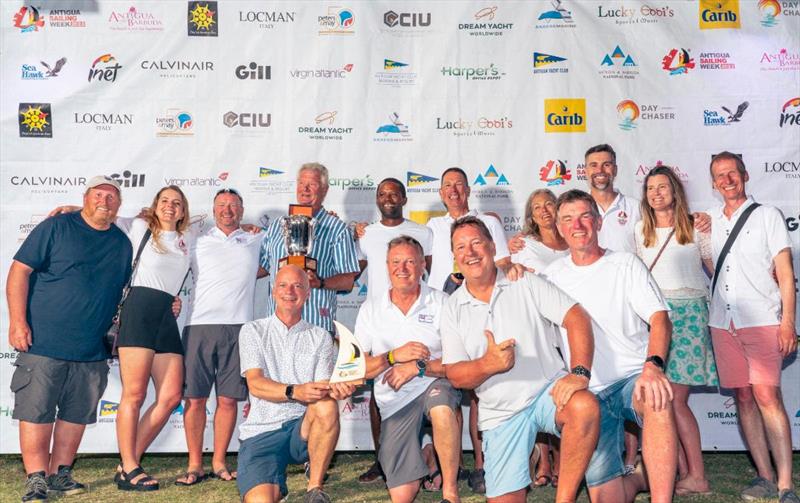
<point>474,434</point>
<point>34,444</point>
<point>579,421</point>
<point>134,368</point>
<point>515,497</point>
<point>194,425</point>
<point>542,469</point>
<point>632,432</point>
<point>778,432</point>
<point>263,493</point>
<point>753,431</point>
<point>405,493</point>
<point>224,424</point>
<point>66,440</point>
<point>167,371</point>
<point>321,429</point>
<point>447,440</point>
<point>689,438</point>
<point>659,450</point>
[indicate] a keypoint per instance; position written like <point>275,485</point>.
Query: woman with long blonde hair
<point>676,254</point>
<point>149,341</point>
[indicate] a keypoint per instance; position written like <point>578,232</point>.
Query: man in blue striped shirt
<point>333,248</point>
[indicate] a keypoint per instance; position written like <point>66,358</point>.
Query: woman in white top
<point>667,225</point>
<point>543,245</point>
<point>149,341</point>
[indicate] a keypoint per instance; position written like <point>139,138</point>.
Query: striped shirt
<point>335,251</point>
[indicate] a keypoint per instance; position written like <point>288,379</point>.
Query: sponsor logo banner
<point>565,115</point>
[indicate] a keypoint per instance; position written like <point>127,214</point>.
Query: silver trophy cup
<point>298,234</point>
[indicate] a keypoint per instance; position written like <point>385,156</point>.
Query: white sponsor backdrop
<point>237,94</point>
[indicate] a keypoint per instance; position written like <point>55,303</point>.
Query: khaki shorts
<point>45,388</point>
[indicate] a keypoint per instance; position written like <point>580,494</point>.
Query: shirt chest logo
<point>622,217</point>
<point>425,318</point>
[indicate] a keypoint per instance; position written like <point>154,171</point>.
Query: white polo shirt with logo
<point>381,326</point>
<point>373,247</point>
<point>746,293</point>
<point>620,295</point>
<point>617,232</point>
<point>224,271</point>
<point>442,252</point>
<point>518,310</point>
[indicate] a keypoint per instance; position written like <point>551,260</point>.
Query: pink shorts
<point>747,356</point>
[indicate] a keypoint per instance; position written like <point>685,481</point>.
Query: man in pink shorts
<point>752,320</point>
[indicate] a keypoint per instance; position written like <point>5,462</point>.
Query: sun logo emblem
<point>34,118</point>
<point>202,17</point>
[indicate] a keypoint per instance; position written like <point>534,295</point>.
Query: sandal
<point>429,484</point>
<point>125,483</point>
<point>198,477</point>
<point>554,482</point>
<point>542,481</point>
<point>218,475</point>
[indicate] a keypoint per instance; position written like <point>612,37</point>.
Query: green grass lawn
<point>727,472</point>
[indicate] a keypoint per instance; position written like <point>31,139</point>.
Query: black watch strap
<point>657,361</point>
<point>580,370</point>
<point>290,391</point>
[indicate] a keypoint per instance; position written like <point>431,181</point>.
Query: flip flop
<point>428,482</point>
<point>218,475</point>
<point>198,477</point>
<point>681,491</point>
<point>542,481</point>
<point>554,482</point>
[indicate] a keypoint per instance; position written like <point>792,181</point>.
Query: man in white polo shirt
<point>496,340</point>
<point>224,265</point>
<point>623,299</point>
<point>400,330</point>
<point>371,248</point>
<point>752,320</point>
<point>617,212</point>
<point>455,192</point>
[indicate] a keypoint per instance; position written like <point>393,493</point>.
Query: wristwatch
<point>290,391</point>
<point>657,361</point>
<point>580,370</point>
<point>422,366</point>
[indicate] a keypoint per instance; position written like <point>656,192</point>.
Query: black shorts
<point>147,321</point>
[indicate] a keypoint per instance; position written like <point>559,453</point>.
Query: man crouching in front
<point>293,413</point>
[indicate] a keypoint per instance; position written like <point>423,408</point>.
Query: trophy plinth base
<point>301,261</point>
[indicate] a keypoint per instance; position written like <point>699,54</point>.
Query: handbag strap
<point>729,242</point>
<point>127,286</point>
<point>666,241</point>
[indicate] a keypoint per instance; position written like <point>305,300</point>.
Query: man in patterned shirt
<point>293,417</point>
<point>333,248</point>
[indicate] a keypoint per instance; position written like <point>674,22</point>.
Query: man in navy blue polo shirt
<point>63,288</point>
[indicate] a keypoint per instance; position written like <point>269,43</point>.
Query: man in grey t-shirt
<point>287,363</point>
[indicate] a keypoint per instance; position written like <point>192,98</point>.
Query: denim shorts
<point>507,448</point>
<point>263,459</point>
<point>616,407</point>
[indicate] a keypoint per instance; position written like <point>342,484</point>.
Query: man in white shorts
<point>400,331</point>
<point>496,340</point>
<point>623,299</point>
